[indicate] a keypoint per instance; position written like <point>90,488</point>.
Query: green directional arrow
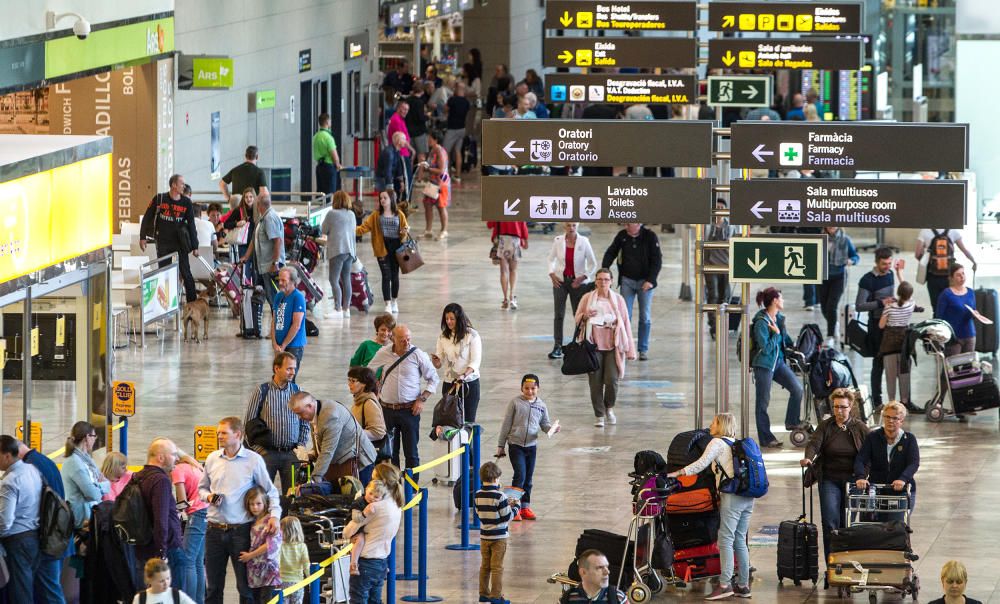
<point>795,259</point>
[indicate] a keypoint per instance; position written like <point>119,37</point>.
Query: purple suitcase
<point>963,372</point>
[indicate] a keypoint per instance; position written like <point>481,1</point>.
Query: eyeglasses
<point>351,380</point>
<point>841,406</point>
<point>894,418</point>
<point>92,435</point>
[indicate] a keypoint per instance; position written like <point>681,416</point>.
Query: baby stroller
<point>968,381</point>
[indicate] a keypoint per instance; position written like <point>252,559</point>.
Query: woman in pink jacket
<point>608,327</point>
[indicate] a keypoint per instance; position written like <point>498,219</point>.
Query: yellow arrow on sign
<point>566,20</point>
<point>728,21</point>
<point>728,58</point>
<point>566,56</point>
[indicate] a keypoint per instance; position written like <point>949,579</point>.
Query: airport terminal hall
<point>503,301</point>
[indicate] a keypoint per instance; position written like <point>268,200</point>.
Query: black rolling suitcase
<point>614,547</point>
<point>693,530</point>
<point>976,397</point>
<point>686,447</point>
<point>987,336</point>
<point>798,547</point>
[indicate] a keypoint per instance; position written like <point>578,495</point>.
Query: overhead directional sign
<point>776,53</point>
<point>798,17</point>
<point>810,202</point>
<point>634,15</point>
<point>739,91</point>
<point>597,199</point>
<point>784,259</point>
<point>649,89</point>
<point>853,146</point>
<point>620,52</point>
<point>597,142</point>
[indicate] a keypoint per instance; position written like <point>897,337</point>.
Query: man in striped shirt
<point>593,588</point>
<point>269,402</point>
<point>495,512</point>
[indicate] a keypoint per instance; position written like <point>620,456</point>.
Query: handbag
<point>256,430</point>
<point>579,356</point>
<point>408,257</point>
<point>383,446</point>
<point>495,252</point>
<point>810,474</point>
<point>450,410</point>
<point>431,190</point>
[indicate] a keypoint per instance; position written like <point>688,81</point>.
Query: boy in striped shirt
<point>495,512</point>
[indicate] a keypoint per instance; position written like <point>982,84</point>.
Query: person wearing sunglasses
<point>889,456</point>
<point>831,451</point>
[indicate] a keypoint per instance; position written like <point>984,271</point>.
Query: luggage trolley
<point>867,507</point>
<point>648,507</point>
<point>949,380</point>
<point>328,532</point>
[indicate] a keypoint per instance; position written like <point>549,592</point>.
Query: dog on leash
<point>196,313</point>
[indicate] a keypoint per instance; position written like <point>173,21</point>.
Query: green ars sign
<point>785,259</point>
<point>212,72</point>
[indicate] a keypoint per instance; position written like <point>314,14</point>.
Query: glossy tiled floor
<point>581,477</point>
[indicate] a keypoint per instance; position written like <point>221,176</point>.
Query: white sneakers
<point>599,422</point>
<point>395,306</point>
<point>347,313</point>
<point>388,306</point>
<point>610,416</point>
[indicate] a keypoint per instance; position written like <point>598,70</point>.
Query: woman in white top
<point>459,352</point>
<point>734,510</point>
<point>572,264</point>
<point>380,524</point>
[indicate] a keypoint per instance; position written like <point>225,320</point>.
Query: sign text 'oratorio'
<point>854,146</point>
<point>650,15</point>
<point>597,199</point>
<point>797,17</point>
<point>775,53</point>
<point>739,91</point>
<point>812,202</point>
<point>784,259</point>
<point>649,89</point>
<point>597,143</point>
<point>620,52</point>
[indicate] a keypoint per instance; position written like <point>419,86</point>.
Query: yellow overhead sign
<point>56,215</point>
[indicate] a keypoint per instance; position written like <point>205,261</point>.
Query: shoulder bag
<point>383,446</point>
<point>385,374</point>
<point>580,355</point>
<point>408,256</point>
<point>450,410</point>
<point>257,431</point>
<point>431,190</point>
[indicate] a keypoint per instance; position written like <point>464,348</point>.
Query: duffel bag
<point>894,535</point>
<point>696,495</point>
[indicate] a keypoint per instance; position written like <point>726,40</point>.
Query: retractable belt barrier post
<point>123,439</point>
<point>474,472</point>
<point>422,556</point>
<point>390,580</point>
<point>407,574</point>
<point>464,545</point>
<point>317,585</point>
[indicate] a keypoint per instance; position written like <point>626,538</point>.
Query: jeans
<point>809,294</point>
<point>389,268</point>
<point>164,248</point>
<point>523,461</point>
<point>830,292</point>
<point>194,548</point>
<point>340,280</point>
<point>935,285</point>
<point>630,289</point>
<point>734,516</point>
<point>298,351</point>
<point>262,595</point>
<point>559,295</point>
<point>405,427</point>
<point>22,562</point>
<point>832,503</point>
<point>470,397</point>
<point>604,383</point>
<point>892,375</point>
<point>280,462</point>
<point>366,587</point>
<point>222,547</point>
<point>874,339</point>
<point>48,590</point>
<point>326,177</point>
<point>784,377</point>
<point>491,568</point>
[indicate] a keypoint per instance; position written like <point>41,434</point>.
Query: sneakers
<point>527,514</point>
<point>556,353</point>
<point>347,314</point>
<point>643,356</point>
<point>609,416</point>
<point>774,444</point>
<point>517,517</point>
<point>500,600</point>
<point>485,599</point>
<point>443,236</point>
<point>720,592</point>
<point>742,592</point>
<point>599,422</point>
<point>388,306</point>
<point>395,306</point>
<point>513,303</point>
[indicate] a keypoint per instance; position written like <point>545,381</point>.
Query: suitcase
<point>893,535</point>
<point>988,305</point>
<point>879,567</point>
<point>847,314</point>
<point>697,562</point>
<point>693,530</point>
<point>307,285</point>
<point>798,546</point>
<point>229,284</point>
<point>449,472</point>
<point>975,397</point>
<point>696,495</point>
<point>362,297</point>
<point>615,548</point>
<point>857,338</point>
<point>686,447</point>
<point>251,313</point>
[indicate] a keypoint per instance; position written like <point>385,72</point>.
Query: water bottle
<point>871,496</point>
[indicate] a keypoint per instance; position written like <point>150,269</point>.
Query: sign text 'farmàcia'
<point>776,53</point>
<point>620,52</point>
<point>798,17</point>
<point>651,15</point>
<point>645,88</point>
<point>851,146</point>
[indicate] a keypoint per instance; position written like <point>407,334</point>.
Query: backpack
<point>830,370</point>
<point>176,593</point>
<point>749,475</point>
<point>130,515</point>
<point>56,525</point>
<point>942,253</point>
<point>810,341</point>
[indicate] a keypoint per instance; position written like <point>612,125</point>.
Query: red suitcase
<point>361,294</point>
<point>697,562</point>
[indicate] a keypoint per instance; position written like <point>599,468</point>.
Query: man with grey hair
<point>339,441</point>
<point>288,329</point>
<point>267,246</point>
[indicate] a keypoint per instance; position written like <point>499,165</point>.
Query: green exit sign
<point>266,99</point>
<point>784,259</point>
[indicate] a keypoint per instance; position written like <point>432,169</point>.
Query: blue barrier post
<point>390,581</point>
<point>464,545</point>
<point>474,472</point>
<point>281,596</point>
<point>123,440</point>
<point>407,574</point>
<point>317,585</point>
<point>422,556</point>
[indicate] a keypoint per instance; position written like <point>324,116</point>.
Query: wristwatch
<point>422,398</point>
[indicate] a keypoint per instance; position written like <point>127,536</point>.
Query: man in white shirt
<point>20,499</point>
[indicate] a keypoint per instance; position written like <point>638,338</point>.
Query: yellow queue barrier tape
<point>118,426</point>
<point>316,575</point>
<point>412,482</point>
<point>413,502</point>
<point>439,460</point>
<point>62,450</point>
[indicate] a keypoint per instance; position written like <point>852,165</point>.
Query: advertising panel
<point>107,47</point>
<point>160,294</point>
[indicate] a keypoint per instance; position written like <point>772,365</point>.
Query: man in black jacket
<point>157,490</point>
<point>637,250</point>
<point>169,220</point>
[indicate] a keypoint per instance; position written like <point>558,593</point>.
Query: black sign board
<point>305,60</point>
<point>650,15</point>
<point>620,52</point>
<point>355,46</point>
<point>850,146</point>
<point>777,53</point>
<point>649,89</point>
<point>597,142</point>
<point>398,15</point>
<point>596,199</point>
<point>820,202</point>
<point>791,17</point>
<point>413,12</point>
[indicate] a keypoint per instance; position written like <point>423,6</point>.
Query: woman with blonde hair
<point>338,228</point>
<point>954,579</point>
<point>115,469</point>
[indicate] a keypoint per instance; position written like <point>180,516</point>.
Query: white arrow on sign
<point>757,264</point>
<point>509,209</point>
<point>751,92</point>
<point>510,149</point>
<point>758,210</point>
<point>759,152</point>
